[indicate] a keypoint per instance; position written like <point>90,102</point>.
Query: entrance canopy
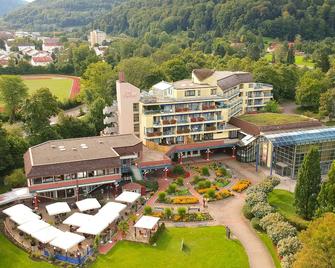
<point>147,222</point>
<point>128,197</point>
<point>58,208</point>
<point>88,204</point>
<point>78,219</point>
<point>33,226</point>
<point>47,234</point>
<point>67,240</point>
<point>17,210</point>
<point>24,217</point>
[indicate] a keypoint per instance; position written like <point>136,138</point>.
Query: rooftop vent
<point>53,146</point>
<point>61,147</point>
<point>83,146</point>
<point>74,149</point>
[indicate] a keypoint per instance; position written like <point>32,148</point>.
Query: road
<point>75,112</point>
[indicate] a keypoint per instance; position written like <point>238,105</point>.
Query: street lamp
<point>180,158</point>
<point>208,152</point>
<point>165,172</point>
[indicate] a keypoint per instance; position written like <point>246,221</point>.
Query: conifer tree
<point>326,198</point>
<point>308,184</point>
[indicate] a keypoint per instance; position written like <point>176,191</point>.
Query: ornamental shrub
<point>280,230</point>
<point>287,261</point>
<point>205,172</point>
<point>203,184</point>
<point>147,210</point>
<point>255,197</point>
<point>241,185</point>
<point>180,181</point>
<point>247,212</point>
<point>270,219</point>
<point>153,239</point>
<point>261,209</point>
<point>168,213</point>
<point>211,193</point>
<point>204,190</point>
<point>162,196</point>
<point>172,188</point>
<point>178,170</point>
<point>182,212</point>
<point>288,246</point>
<point>224,193</point>
<point>255,224</point>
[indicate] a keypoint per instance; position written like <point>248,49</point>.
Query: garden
<point>265,219</point>
<point>179,247</point>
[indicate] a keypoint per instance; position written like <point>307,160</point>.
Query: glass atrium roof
<point>302,137</point>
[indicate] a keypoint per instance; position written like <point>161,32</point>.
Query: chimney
<point>122,77</point>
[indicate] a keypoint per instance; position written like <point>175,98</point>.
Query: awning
<point>87,204</point>
<point>147,222</point>
<point>67,240</point>
<point>16,210</point>
<point>33,226</point>
<point>112,208</point>
<point>94,227</point>
<point>128,197</point>
<point>47,234</point>
<point>107,216</point>
<point>58,208</point>
<point>78,219</point>
<point>24,217</point>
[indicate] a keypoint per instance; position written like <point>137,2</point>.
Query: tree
<point>310,86</point>
<point>326,197</point>
<point>175,69</point>
<point>318,244</point>
<point>36,112</point>
<point>181,212</point>
<point>123,226</point>
<point>321,58</point>
<point>95,115</point>
<point>72,127</point>
<point>98,81</point>
<point>162,196</point>
<point>16,179</point>
<point>327,103</point>
<point>271,106</point>
<point>290,55</point>
<point>12,92</point>
<point>82,57</point>
<point>167,213</point>
<point>308,184</point>
<point>147,210</point>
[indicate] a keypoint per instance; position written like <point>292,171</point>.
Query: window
<point>136,117</point>
<point>199,93</point>
<point>81,175</point>
<point>213,91</point>
<point>99,172</point>
<point>135,107</point>
<point>136,128</point>
<point>189,93</point>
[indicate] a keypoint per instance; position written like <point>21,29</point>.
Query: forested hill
<point>9,5</point>
<point>312,19</point>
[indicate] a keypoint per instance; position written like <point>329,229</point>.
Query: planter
<point>204,107</point>
<point>173,121</point>
<point>200,119</point>
<point>150,134</point>
<point>179,110</point>
<point>193,120</point>
<point>166,122</point>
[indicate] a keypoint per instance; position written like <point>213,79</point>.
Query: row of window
<point>192,93</point>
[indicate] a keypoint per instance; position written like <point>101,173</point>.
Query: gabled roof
<point>42,59</point>
<point>202,74</point>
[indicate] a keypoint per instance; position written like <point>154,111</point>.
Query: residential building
<point>97,37</point>
<point>51,44</point>
<point>41,60</point>
<point>60,168</point>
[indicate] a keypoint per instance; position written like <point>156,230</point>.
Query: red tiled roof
<point>132,186</point>
<point>42,59</point>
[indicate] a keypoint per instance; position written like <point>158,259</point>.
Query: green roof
<point>270,119</point>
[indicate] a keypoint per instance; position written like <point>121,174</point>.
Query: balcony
<point>210,128</point>
<point>183,131</point>
<point>154,134</point>
<point>169,122</point>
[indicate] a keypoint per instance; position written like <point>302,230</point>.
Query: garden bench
<point>194,208</point>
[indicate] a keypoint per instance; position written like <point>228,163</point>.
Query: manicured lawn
<point>58,86</point>
<point>14,257</point>
<point>299,60</point>
<point>271,248</point>
<point>204,247</point>
<point>283,201</point>
<point>268,119</point>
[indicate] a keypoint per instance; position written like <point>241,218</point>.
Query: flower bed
<point>205,190</point>
<point>178,171</point>
<point>192,217</point>
<point>184,200</point>
<point>241,185</point>
<point>222,194</point>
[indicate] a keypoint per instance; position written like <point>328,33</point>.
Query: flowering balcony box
<point>180,131</point>
<point>210,128</point>
<point>187,130</point>
<point>212,107</point>
<point>173,121</point>
<point>158,133</point>
<point>178,110</point>
<point>205,107</point>
<point>150,134</point>
<point>200,119</point>
<point>193,120</point>
<point>166,122</point>
<point>185,109</point>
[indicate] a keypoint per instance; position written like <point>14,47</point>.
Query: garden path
<point>229,213</point>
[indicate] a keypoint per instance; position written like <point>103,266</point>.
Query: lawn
<point>58,86</point>
<point>299,60</point>
<point>13,257</point>
<point>204,247</point>
<point>269,119</point>
<point>271,248</point>
<point>283,201</point>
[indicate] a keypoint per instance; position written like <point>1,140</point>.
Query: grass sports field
<point>203,247</point>
<point>59,86</point>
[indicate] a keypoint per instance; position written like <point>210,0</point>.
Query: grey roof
<point>79,149</point>
<point>229,80</point>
